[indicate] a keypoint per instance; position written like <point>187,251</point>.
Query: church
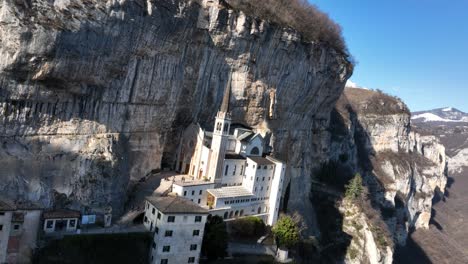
<point>227,171</point>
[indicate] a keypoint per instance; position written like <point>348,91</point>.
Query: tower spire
<point>227,93</point>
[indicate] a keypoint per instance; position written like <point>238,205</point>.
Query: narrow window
<point>156,230</point>
<point>159,215</point>
<point>242,170</point>
<point>154,245</point>
<point>199,200</point>
<point>153,211</point>
<point>200,193</point>
<point>1,227</point>
<point>185,193</point>
<point>50,223</point>
<point>226,170</point>
<point>171,219</point>
<point>234,171</point>
<point>191,260</point>
<point>193,192</point>
<point>198,218</point>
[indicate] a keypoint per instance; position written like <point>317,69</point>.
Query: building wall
<point>255,142</point>
<point>276,192</point>
<point>196,193</point>
<point>28,240</point>
<point>233,172</point>
<point>5,220</point>
<point>180,241</point>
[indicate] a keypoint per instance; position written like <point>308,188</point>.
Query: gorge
<point>94,96</point>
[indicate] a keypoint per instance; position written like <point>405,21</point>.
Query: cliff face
<point>402,170</point>
<point>94,94</point>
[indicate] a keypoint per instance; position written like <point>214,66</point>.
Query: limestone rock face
<point>402,169</point>
<point>94,94</point>
<point>367,245</point>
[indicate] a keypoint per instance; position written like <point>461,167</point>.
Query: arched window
<point>225,215</point>
<point>255,151</point>
<point>241,212</point>
<point>236,214</point>
<point>259,210</point>
<point>230,214</point>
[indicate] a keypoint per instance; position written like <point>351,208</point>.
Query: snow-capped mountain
<point>448,114</point>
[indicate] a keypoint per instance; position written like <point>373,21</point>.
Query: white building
<point>19,224</point>
<point>229,170</point>
<point>178,226</point>
<point>60,221</point>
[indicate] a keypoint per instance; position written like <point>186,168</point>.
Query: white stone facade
<point>230,160</point>
<point>178,234</point>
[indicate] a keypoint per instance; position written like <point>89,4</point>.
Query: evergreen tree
<point>286,232</point>
<point>354,189</point>
<point>215,239</point>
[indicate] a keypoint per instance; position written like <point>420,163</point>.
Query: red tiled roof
<point>61,213</point>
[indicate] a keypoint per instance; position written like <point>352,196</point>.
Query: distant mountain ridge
<point>448,114</point>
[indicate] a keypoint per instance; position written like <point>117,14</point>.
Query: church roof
<point>261,160</point>
<point>175,205</point>
<point>232,191</point>
<point>234,156</point>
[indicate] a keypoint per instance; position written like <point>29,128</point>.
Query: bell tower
<point>220,137</point>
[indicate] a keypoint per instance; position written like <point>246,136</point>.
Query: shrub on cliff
<point>354,189</point>
<point>298,14</point>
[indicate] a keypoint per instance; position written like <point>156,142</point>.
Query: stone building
<point>228,171</point>
<point>19,225</point>
<point>60,221</point>
<point>178,226</point>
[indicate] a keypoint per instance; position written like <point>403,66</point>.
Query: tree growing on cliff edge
<point>354,188</point>
<point>287,231</point>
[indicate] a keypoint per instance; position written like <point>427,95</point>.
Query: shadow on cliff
<point>379,211</point>
<point>342,170</point>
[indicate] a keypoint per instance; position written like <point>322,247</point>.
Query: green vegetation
<point>215,240</point>
<point>354,189</point>
<point>248,227</point>
<point>380,237</point>
<point>300,15</point>
<point>108,248</point>
<point>286,231</point>
<point>352,253</point>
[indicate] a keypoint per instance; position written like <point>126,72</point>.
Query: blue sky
<point>414,49</point>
